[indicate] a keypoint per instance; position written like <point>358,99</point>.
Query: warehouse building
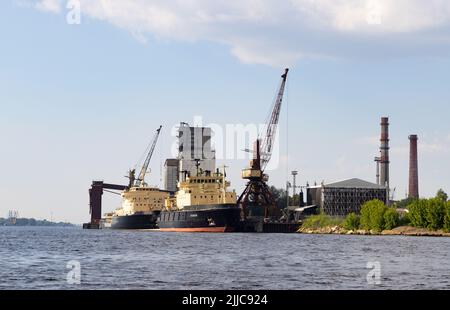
<point>344,197</point>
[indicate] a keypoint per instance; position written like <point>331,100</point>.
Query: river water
<point>37,258</point>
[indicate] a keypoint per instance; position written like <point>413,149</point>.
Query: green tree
<point>418,213</point>
<point>404,220</point>
<point>442,195</point>
<point>372,215</point>
<point>403,204</point>
<point>391,218</point>
<point>447,217</point>
<point>352,221</point>
<point>294,200</point>
<point>279,195</point>
<point>435,213</point>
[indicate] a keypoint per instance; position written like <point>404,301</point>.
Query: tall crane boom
<point>257,198</point>
<point>141,178</point>
<point>272,125</point>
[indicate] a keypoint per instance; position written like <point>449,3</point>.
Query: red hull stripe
<point>199,229</point>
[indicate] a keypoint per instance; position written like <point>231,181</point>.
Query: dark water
<point>36,258</point>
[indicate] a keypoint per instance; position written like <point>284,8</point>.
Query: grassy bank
<point>425,217</point>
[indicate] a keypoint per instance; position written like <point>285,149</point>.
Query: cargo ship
<point>203,203</point>
<point>141,203</point>
<point>140,208</point>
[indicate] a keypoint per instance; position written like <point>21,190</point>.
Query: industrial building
<point>195,148</point>
<point>194,153</point>
<point>171,172</point>
<point>344,197</point>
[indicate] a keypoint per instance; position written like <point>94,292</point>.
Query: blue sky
<point>81,102</point>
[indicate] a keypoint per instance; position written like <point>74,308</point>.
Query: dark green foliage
<point>447,217</point>
<point>404,220</point>
<point>280,197</point>
<point>294,200</point>
<point>391,218</point>
<point>372,215</point>
<point>442,195</point>
<point>403,204</point>
<point>428,213</point>
<point>418,213</point>
<point>352,222</point>
<point>435,214</point>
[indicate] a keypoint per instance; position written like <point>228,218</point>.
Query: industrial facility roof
<point>351,183</point>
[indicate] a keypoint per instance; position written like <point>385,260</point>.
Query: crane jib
<point>267,146</point>
<point>141,178</point>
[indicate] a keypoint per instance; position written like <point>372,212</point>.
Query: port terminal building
<point>195,154</point>
<point>344,197</point>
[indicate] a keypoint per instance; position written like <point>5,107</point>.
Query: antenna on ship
<point>224,171</point>
<point>197,164</point>
<point>132,177</point>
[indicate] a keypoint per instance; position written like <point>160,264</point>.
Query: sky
<point>85,84</point>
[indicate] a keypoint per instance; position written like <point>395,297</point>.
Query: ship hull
<point>206,218</point>
<point>135,221</point>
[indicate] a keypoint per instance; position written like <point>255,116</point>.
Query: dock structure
<point>95,201</point>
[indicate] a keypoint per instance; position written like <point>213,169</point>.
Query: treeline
<point>433,214</point>
<point>281,198</point>
<point>32,222</point>
<point>375,216</point>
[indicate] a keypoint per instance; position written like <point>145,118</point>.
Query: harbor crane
<point>99,187</point>
<point>257,195</point>
<point>140,181</point>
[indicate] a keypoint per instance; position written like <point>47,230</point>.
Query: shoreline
<point>398,231</point>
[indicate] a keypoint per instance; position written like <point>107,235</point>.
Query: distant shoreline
<point>399,231</point>
<point>31,222</point>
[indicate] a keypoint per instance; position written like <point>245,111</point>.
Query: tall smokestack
<point>413,168</point>
<point>377,161</point>
<point>384,150</point>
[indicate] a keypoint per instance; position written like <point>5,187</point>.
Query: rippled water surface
<point>36,258</point>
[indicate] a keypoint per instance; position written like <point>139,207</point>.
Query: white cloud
<point>434,145</point>
<point>282,32</point>
<point>389,16</point>
<point>53,6</point>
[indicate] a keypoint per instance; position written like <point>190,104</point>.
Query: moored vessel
<point>141,204</point>
<point>202,204</point>
<point>140,208</point>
